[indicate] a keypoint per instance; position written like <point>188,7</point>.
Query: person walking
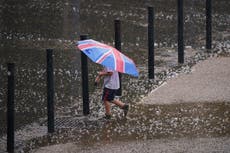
<point>110,86</point>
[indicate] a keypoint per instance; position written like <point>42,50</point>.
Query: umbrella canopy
<point>108,56</point>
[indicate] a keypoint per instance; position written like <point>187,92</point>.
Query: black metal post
<point>180,29</point>
<point>151,42</point>
<point>208,24</point>
<point>50,91</point>
<point>10,108</point>
<point>84,74</point>
<point>117,26</point>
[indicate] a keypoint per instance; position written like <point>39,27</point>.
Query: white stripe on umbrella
<point>101,59</point>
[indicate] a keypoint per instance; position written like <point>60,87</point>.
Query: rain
<point>28,28</point>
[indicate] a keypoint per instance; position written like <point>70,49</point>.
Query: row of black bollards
<point>180,28</point>
<point>117,24</point>
<point>84,67</point>
<point>10,100</point>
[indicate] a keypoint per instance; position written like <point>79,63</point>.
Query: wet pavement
<point>179,126</point>
<point>183,145</point>
<point>58,24</point>
<point>147,123</point>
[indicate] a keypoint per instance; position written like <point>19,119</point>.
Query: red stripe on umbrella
<point>119,60</point>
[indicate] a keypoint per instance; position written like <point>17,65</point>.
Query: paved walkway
<point>209,81</point>
<point>185,145</point>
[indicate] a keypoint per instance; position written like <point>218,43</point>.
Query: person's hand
<point>101,73</point>
<point>97,80</point>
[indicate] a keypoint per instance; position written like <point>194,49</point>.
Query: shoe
<point>107,117</point>
<point>126,109</point>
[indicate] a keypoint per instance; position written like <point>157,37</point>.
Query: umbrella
<point>108,56</point>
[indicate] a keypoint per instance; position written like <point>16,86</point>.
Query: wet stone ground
<point>57,25</point>
<point>173,145</point>
<point>144,122</point>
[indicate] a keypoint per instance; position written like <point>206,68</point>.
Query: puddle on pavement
<point>142,123</point>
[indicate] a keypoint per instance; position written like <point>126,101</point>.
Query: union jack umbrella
<point>108,56</point>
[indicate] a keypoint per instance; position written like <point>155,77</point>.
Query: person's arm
<point>105,73</point>
<point>101,74</point>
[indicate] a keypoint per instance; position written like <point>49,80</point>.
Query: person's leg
<point>107,108</point>
<point>108,114</point>
<point>122,106</point>
<point>118,103</point>
<point>106,99</point>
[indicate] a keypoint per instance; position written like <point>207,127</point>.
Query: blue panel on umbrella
<point>109,62</point>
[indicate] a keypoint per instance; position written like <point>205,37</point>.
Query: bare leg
<point>122,106</point>
<point>118,103</point>
<point>107,108</point>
